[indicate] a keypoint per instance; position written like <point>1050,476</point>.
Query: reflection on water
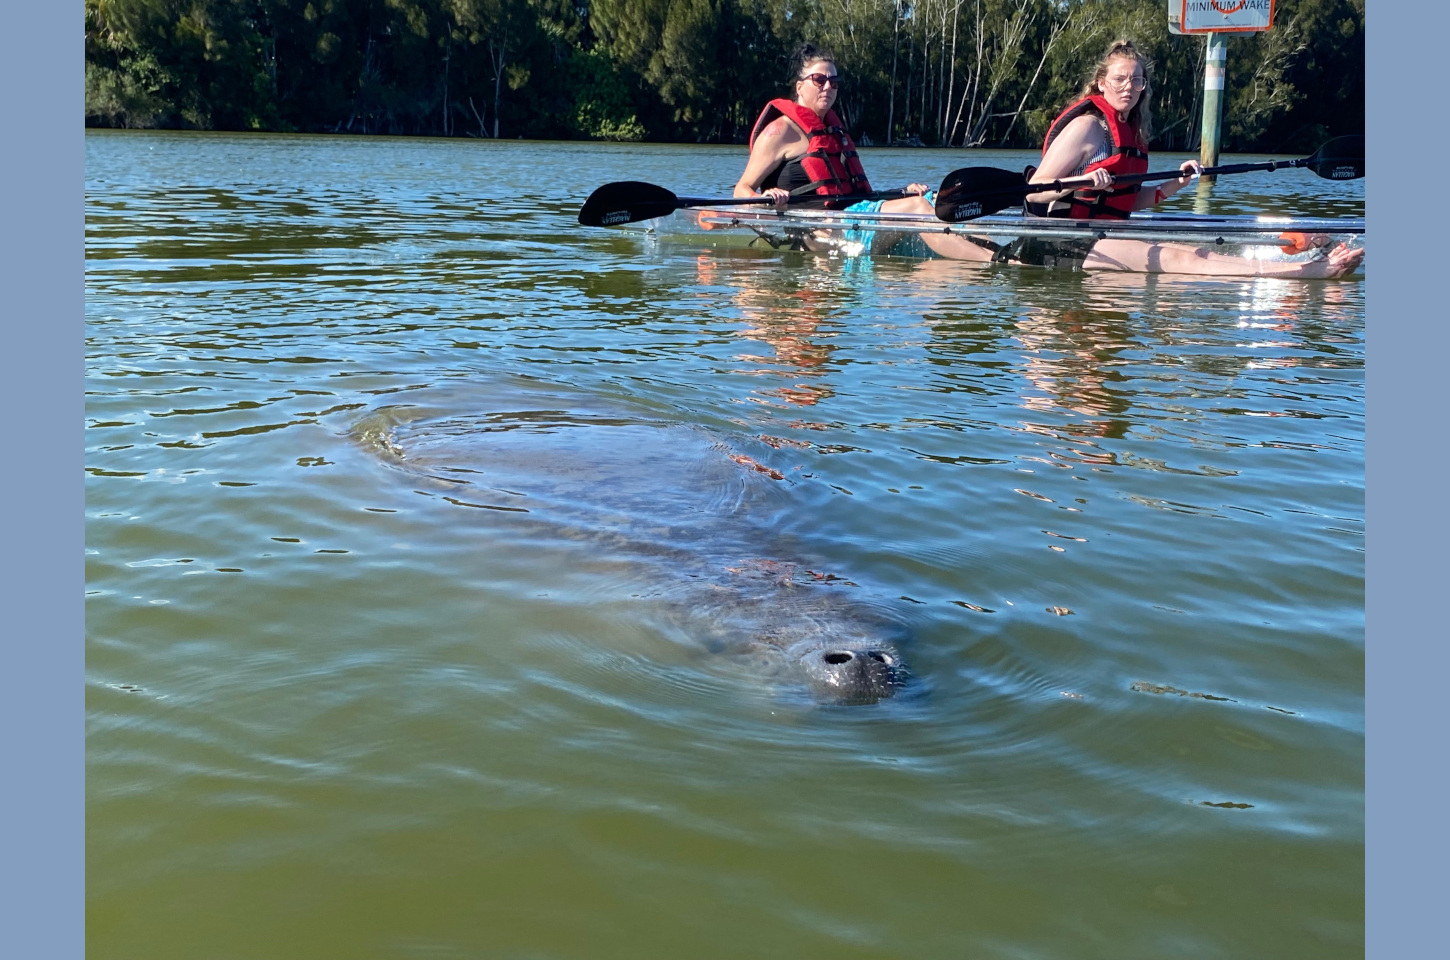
<point>1069,360</point>
<point>443,559</point>
<point>787,321</point>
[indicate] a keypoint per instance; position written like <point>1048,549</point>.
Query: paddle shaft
<point>1343,169</point>
<point>630,201</point>
<point>1129,178</point>
<point>684,202</point>
<point>978,191</point>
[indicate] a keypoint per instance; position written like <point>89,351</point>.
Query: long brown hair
<point>1141,116</point>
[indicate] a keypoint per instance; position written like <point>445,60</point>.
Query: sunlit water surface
<point>431,537</point>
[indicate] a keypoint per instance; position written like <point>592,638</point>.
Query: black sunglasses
<point>821,79</point>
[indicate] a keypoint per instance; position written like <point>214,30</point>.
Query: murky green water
<point>428,532</point>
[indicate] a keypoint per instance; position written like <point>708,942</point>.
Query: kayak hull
<point>1256,237</point>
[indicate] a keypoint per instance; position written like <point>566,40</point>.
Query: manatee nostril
<point>841,657</point>
<point>879,657</point>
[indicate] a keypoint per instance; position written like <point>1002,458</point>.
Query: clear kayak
<point>1255,237</point>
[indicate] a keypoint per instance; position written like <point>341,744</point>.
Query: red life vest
<point>830,162</point>
<point>1130,155</point>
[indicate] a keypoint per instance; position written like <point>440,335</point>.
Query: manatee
<point>851,671</point>
<point>842,649</point>
<point>689,513</point>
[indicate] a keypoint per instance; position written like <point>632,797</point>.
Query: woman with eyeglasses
<point>1104,135</point>
<point>800,149</point>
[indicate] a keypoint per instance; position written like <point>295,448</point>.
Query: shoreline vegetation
<point>951,73</point>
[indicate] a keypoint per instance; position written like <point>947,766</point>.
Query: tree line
<point>934,72</point>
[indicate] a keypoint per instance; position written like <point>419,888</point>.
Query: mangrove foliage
<point>935,72</point>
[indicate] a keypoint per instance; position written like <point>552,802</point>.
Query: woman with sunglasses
<point>1103,135</point>
<point>800,149</point>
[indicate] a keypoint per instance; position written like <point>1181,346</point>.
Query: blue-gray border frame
<point>42,805</point>
<point>1405,473</point>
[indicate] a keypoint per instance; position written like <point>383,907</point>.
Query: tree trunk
<point>1057,30</point>
<point>968,86</point>
<point>941,78</point>
<point>952,61</point>
<point>497,55</point>
<point>895,47</point>
<point>482,130</point>
<point>447,55</point>
<point>925,72</point>
<point>1008,52</point>
<point>977,73</point>
<point>910,74</point>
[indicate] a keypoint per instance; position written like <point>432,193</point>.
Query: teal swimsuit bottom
<point>864,236</point>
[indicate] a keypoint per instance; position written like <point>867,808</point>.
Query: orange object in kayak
<point>708,213</point>
<point>1294,242</point>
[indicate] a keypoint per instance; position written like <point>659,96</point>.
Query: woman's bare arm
<point>772,148</point>
<point>1081,139</point>
<point>1150,197</point>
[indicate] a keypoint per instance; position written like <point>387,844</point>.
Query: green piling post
<point>1214,70</point>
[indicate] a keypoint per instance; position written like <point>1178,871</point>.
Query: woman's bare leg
<point>1141,256</point>
<point>943,244</point>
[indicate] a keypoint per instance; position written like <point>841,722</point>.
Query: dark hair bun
<point>808,53</point>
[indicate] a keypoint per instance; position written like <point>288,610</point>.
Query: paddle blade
<point>1340,159</point>
<point>973,192</point>
<point>626,201</point>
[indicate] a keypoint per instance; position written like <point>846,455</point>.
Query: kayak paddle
<point>629,201</point>
<point>973,192</point>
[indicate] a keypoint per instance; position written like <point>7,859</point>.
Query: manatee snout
<point>852,673</point>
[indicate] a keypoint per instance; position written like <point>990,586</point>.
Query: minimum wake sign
<point>1226,16</point>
